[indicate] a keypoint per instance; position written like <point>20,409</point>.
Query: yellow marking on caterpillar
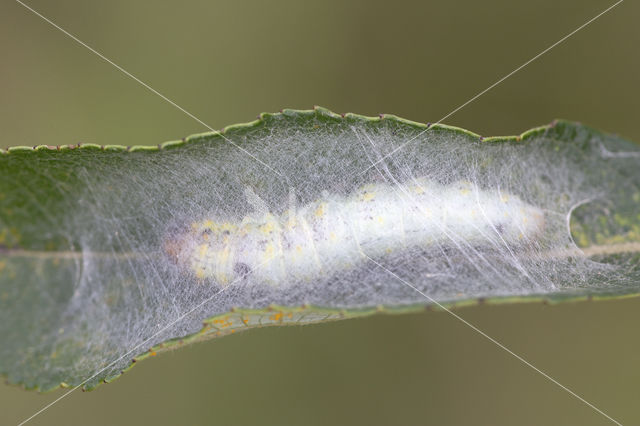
<point>269,252</point>
<point>321,210</point>
<point>367,196</point>
<point>267,228</point>
<point>224,255</point>
<point>291,220</point>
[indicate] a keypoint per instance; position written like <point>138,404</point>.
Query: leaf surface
<point>88,284</point>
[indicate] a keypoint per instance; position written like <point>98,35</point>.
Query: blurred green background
<point>228,61</point>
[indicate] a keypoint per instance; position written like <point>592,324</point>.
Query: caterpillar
<point>341,232</point>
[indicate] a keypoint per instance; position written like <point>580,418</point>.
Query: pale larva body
<point>338,233</point>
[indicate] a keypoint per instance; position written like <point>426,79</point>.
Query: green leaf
<point>93,273</point>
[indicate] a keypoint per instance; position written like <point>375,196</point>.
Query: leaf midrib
<point>589,251</point>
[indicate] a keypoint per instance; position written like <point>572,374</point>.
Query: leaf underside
<point>45,197</point>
